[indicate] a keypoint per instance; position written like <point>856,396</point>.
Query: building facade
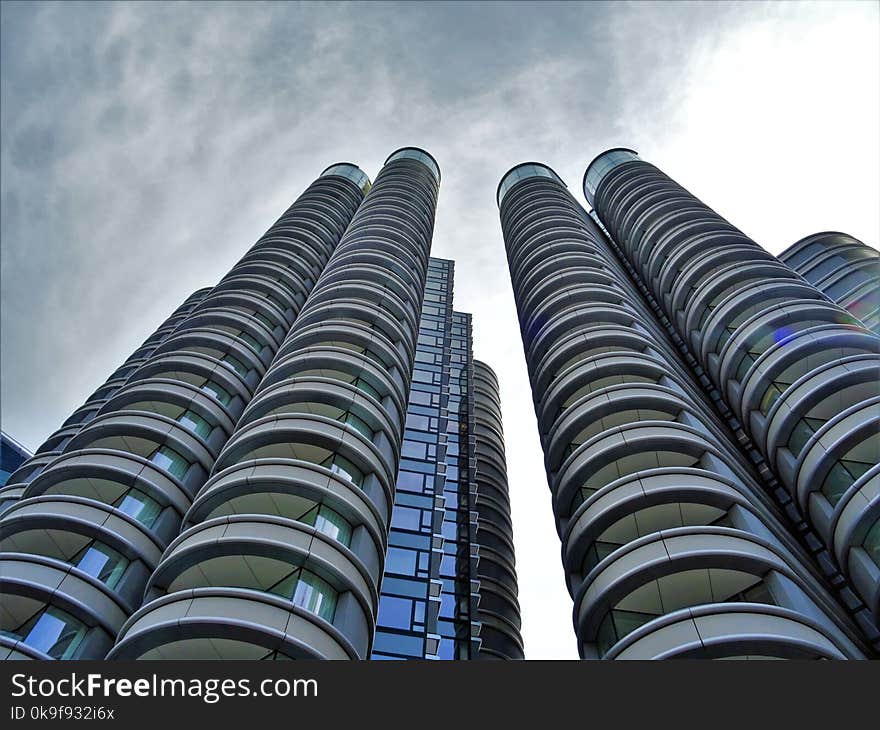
<point>106,495</point>
<point>440,591</point>
<point>12,456</point>
<point>245,482</point>
<point>282,551</point>
<point>672,543</point>
<point>798,374</point>
<point>843,268</point>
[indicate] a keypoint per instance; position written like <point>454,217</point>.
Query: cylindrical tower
<point>670,547</point>
<point>90,529</point>
<point>286,541</point>
<point>55,443</point>
<point>498,608</point>
<point>797,371</point>
<point>844,269</point>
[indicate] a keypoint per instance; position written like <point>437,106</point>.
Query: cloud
<point>146,146</point>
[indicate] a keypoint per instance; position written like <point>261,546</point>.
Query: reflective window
<point>220,393</point>
<point>601,166</point>
<point>259,316</point>
<point>802,432</point>
<point>844,473</point>
<point>168,459</point>
<point>329,522</point>
<point>342,466</point>
<point>53,632</point>
<point>394,612</point>
<point>307,590</point>
<point>195,423</point>
<point>350,172</point>
<point>357,423</point>
<point>251,342</point>
<point>139,505</point>
<point>102,562</point>
<point>410,153</point>
<point>523,172</point>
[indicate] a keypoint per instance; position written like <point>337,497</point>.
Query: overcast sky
<point>146,147</point>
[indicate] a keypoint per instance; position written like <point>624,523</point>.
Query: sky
<point>145,147</point>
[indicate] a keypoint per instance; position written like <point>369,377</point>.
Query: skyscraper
<point>844,269</point>
<point>798,375</point>
<point>229,492</point>
<point>672,543</point>
<point>106,495</point>
<point>55,443</point>
<point>442,595</point>
<point>282,551</point>
<point>12,456</point>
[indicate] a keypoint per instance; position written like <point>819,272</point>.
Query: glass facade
<point>427,607</point>
<point>601,165</point>
<point>846,270</point>
<point>350,172</point>
<point>12,456</point>
<point>523,172</point>
<point>414,153</point>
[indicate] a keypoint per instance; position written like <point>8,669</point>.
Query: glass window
<point>307,590</point>
<point>236,364</point>
<point>54,632</point>
<point>365,387</point>
<point>140,506</point>
<point>195,423</point>
<point>218,392</point>
<point>406,517</point>
<point>331,523</point>
<point>102,562</point>
<point>358,423</point>
<point>400,560</point>
<point>315,594</point>
<point>270,325</point>
<point>601,166</point>
<point>414,154</point>
<point>251,342</point>
<point>801,434</point>
<point>395,613</point>
<point>350,172</point>
<point>410,481</point>
<point>342,466</point>
<point>277,302</point>
<point>168,459</point>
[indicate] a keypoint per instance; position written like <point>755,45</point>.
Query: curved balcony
<point>285,542</point>
<point>782,356</point>
<point>144,453</point>
<point>650,582</point>
<point>633,449</point>
<point>498,610</point>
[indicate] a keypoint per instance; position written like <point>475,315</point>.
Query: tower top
<point>523,171</point>
<point>601,164</point>
<point>416,153</point>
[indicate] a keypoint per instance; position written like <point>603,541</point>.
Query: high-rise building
<point>107,494</point>
<point>229,492</point>
<point>282,551</point>
<point>844,269</point>
<point>449,590</point>
<point>673,543</point>
<point>498,609</point>
<point>55,443</point>
<point>12,456</point>
<point>797,374</point>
